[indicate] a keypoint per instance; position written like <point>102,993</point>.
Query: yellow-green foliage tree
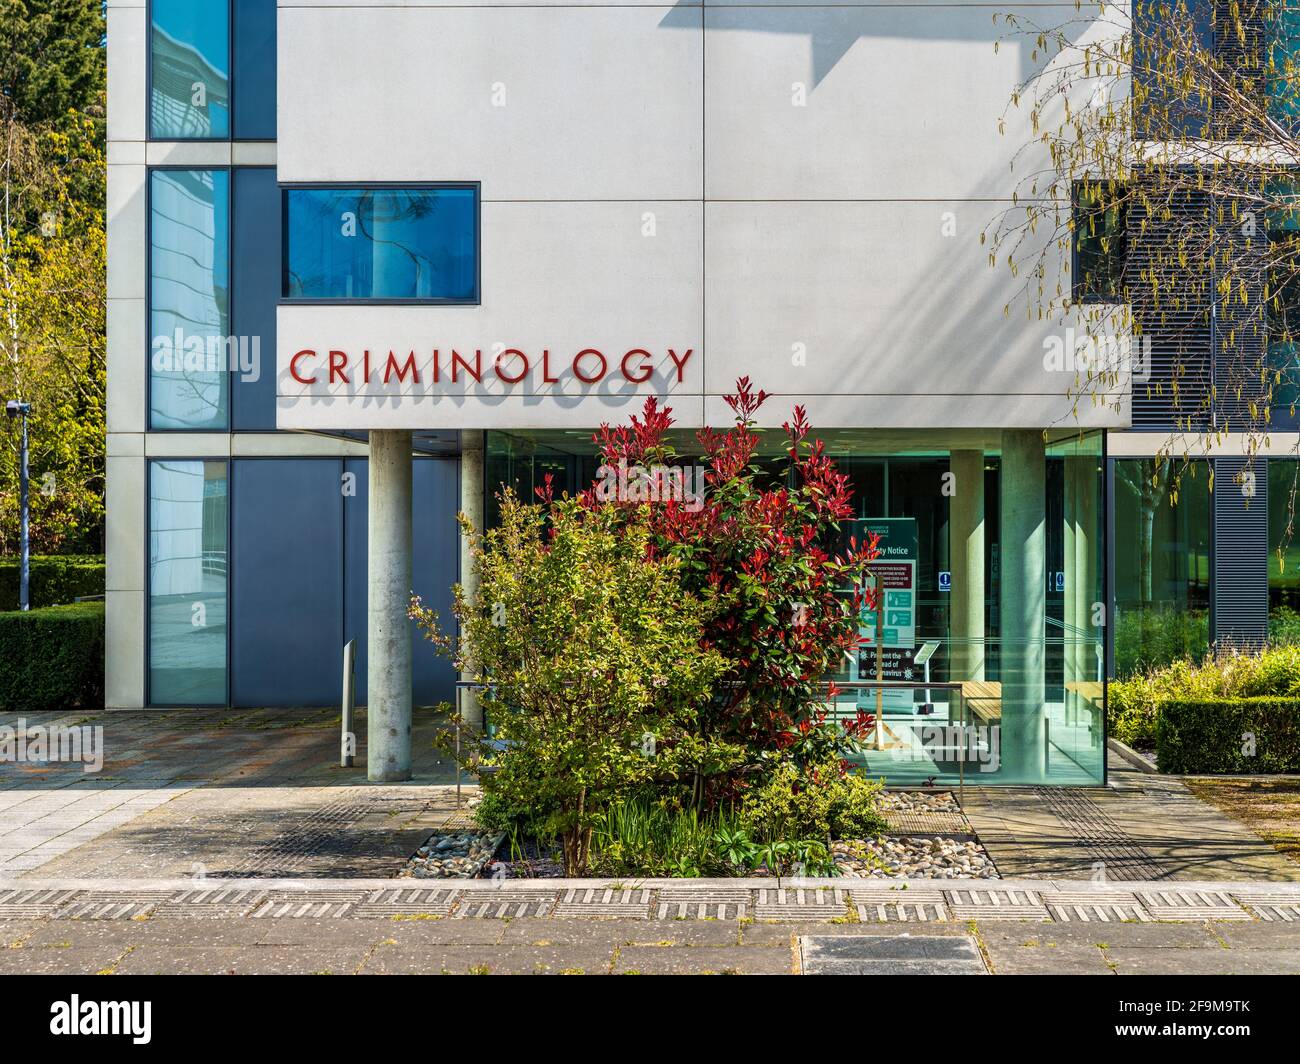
<point>52,303</point>
<point>52,267</point>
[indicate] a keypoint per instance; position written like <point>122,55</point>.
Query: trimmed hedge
<point>53,579</point>
<point>1209,736</point>
<point>52,658</point>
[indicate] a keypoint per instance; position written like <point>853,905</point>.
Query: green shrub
<point>820,803</point>
<point>1134,705</point>
<point>53,580</point>
<point>642,837</point>
<point>53,658</point>
<point>596,667</point>
<point>1238,735</point>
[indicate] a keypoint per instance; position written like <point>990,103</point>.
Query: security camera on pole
<point>17,408</point>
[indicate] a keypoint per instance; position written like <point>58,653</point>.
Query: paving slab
<point>704,960</point>
<point>905,954</point>
<point>1128,960</point>
<point>78,960</point>
<point>255,960</point>
<point>624,932</point>
<point>484,960</point>
<point>1008,959</point>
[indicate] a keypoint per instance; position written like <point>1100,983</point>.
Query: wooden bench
<point>983,699</point>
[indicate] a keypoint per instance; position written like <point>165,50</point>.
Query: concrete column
<point>1023,603</point>
<point>471,505</point>
<point>388,630</point>
<point>966,557</point>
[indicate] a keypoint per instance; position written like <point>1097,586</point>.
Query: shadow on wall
<point>832,31</point>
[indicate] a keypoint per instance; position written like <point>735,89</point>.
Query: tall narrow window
<point>189,299</point>
<point>382,244</point>
<point>187,582</point>
<point>190,70</point>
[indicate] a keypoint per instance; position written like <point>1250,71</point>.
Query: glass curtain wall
<point>189,300</point>
<point>1162,562</point>
<point>190,70</point>
<point>187,582</point>
<point>984,660</point>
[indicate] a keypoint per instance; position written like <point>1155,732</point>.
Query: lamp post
<point>17,408</point>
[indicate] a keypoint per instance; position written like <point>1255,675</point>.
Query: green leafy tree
<point>594,662</point>
<point>51,58</point>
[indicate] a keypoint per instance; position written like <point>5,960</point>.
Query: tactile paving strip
<point>605,901</point>
<point>881,905</point>
<point>112,904</point>
<point>408,901</point>
<point>1278,908</point>
<point>1000,904</point>
<point>1192,905</point>
<point>31,904</point>
<point>506,904</point>
<point>702,903</point>
<point>316,905</point>
<point>211,902</point>
<point>800,903</point>
<point>1097,906</point>
<point>317,834</point>
<point>1103,840</point>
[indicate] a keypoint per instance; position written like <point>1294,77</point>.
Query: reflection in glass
<point>1283,551</point>
<point>187,583</point>
<point>190,70</point>
<point>382,244</point>
<point>1162,563</point>
<point>189,299</point>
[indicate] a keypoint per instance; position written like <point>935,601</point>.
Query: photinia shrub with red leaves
<point>769,550</point>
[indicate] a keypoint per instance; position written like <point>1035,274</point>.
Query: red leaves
<point>770,551</point>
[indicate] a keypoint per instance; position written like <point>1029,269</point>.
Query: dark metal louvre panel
<point>1241,326</point>
<point>1239,583</point>
<point>1170,309</point>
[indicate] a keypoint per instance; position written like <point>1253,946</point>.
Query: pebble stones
<point>919,802</point>
<point>913,857</point>
<point>452,855</point>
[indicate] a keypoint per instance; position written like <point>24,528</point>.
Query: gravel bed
<point>913,856</point>
<point>452,855</point>
<point>919,802</point>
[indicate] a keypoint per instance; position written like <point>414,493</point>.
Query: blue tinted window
<point>382,244</point>
<point>187,582</point>
<point>190,346</point>
<point>190,69</point>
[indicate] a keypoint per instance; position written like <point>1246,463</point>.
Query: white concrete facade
<point>794,193</point>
